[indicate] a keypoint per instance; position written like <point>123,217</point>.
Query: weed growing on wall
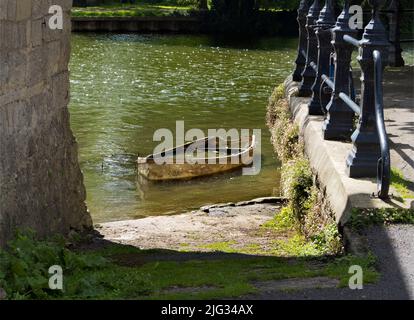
<point>307,211</point>
<point>285,134</point>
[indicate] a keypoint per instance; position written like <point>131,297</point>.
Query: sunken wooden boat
<point>184,162</point>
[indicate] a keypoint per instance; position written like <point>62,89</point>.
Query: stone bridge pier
<point>41,185</point>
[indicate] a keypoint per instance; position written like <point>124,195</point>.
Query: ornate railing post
<point>363,158</point>
<point>323,33</point>
<point>395,57</point>
<point>303,41</point>
<point>309,74</point>
<point>339,121</point>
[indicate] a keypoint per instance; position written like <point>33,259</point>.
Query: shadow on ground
<point>390,244</point>
<point>394,251</point>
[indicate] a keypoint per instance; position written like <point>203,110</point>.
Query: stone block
<point>41,183</point>
<point>60,89</point>
<point>36,32</point>
<point>14,35</point>
<point>23,9</point>
<point>36,66</point>
<point>3,9</point>
<point>52,54</point>
<point>40,8</point>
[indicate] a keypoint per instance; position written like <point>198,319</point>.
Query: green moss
<point>295,246</point>
<point>220,246</point>
<point>253,248</point>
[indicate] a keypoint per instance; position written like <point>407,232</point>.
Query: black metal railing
<point>323,68</point>
<point>384,162</point>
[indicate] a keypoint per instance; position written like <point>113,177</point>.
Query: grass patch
<point>233,277</point>
<point>24,272</point>
<point>362,218</point>
<point>296,246</point>
<point>399,184</point>
<point>101,274</point>
<point>233,247</point>
<point>326,241</point>
<point>133,10</point>
<point>339,268</point>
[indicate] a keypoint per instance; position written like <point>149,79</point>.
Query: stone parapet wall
<point>41,185</point>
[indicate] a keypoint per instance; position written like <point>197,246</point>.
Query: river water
<point>124,87</point>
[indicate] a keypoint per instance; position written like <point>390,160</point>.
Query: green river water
<point>124,87</point>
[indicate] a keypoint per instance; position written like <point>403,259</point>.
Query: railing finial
<point>309,74</point>
<point>327,15</point>
<point>304,5</point>
<point>302,48</point>
<point>315,7</point>
<point>324,24</point>
<point>343,19</point>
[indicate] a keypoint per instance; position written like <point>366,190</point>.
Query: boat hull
<point>155,172</point>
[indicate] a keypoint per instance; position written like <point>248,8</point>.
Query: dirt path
<point>217,228</point>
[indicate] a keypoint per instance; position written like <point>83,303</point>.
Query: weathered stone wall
<point>41,185</point>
